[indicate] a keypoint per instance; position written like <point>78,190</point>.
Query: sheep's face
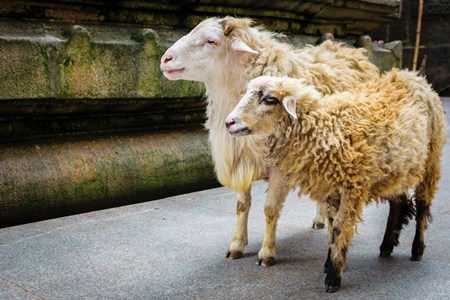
<point>204,52</point>
<point>267,102</point>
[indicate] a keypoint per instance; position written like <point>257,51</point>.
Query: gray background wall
<point>435,32</point>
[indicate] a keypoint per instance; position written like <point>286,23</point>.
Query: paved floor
<point>174,249</point>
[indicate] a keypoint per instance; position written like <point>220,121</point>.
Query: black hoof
<point>385,253</point>
<point>332,281</point>
<point>416,257</point>
<point>332,289</point>
<point>417,253</point>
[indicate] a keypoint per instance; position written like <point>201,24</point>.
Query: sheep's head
<point>268,103</point>
<point>207,49</point>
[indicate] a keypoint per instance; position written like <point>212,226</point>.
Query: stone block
<point>43,180</point>
<point>80,62</point>
<point>24,68</point>
<point>384,56</point>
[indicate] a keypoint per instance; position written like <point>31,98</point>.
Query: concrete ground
<point>175,248</point>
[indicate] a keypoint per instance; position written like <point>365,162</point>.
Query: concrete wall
<point>434,39</point>
<point>47,179</point>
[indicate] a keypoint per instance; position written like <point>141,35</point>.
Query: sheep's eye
<point>211,42</point>
<point>270,100</point>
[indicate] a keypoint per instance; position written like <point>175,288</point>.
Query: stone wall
<point>434,39</point>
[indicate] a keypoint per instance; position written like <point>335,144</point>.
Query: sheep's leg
<point>321,210</point>
<point>331,204</point>
<point>424,195</point>
<point>319,219</point>
<point>423,213</point>
<point>240,238</point>
<point>336,261</point>
<point>342,231</point>
<point>400,212</point>
<point>330,242</point>
<point>276,194</point>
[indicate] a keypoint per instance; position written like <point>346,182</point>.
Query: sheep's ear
<point>239,46</point>
<point>229,24</point>
<point>290,104</point>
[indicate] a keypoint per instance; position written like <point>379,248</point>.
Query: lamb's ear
<point>290,104</point>
<point>239,46</point>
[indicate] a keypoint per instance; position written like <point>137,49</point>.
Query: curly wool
<point>374,141</point>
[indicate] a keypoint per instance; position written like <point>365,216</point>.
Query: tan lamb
<point>368,144</point>
<point>225,54</point>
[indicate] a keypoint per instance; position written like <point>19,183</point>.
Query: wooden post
<point>419,24</point>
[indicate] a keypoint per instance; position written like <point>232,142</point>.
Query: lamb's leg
<point>342,231</point>
<point>240,238</point>
<point>423,214</point>
<point>331,206</point>
<point>321,210</point>
<point>276,194</point>
<point>424,195</point>
<point>319,219</point>
<point>330,242</point>
<point>400,212</point>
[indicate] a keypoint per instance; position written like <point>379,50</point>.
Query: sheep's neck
<point>225,89</point>
<point>313,134</point>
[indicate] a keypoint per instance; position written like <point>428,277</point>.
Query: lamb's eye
<point>212,42</point>
<point>270,100</point>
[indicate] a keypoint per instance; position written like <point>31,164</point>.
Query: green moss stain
<point>46,180</point>
<point>23,70</point>
<point>92,69</point>
<point>76,68</point>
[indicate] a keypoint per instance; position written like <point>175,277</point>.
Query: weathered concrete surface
<point>41,180</point>
<point>384,56</point>
<point>63,61</point>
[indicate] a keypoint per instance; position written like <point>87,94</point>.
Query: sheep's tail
<point>407,213</point>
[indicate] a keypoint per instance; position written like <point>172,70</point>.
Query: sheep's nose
<point>230,122</point>
<point>166,58</point>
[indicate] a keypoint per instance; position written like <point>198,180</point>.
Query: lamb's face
<point>265,103</point>
<point>204,52</point>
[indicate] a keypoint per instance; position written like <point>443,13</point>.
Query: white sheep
<point>368,144</point>
<point>225,54</point>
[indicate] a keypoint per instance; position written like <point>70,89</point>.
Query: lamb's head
<point>206,50</point>
<point>268,103</point>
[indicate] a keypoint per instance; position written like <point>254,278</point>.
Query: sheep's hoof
<point>234,254</point>
<point>318,225</point>
<point>266,262</point>
<point>332,288</point>
<point>332,281</point>
<point>416,257</point>
<point>385,253</point>
<point>417,253</point>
